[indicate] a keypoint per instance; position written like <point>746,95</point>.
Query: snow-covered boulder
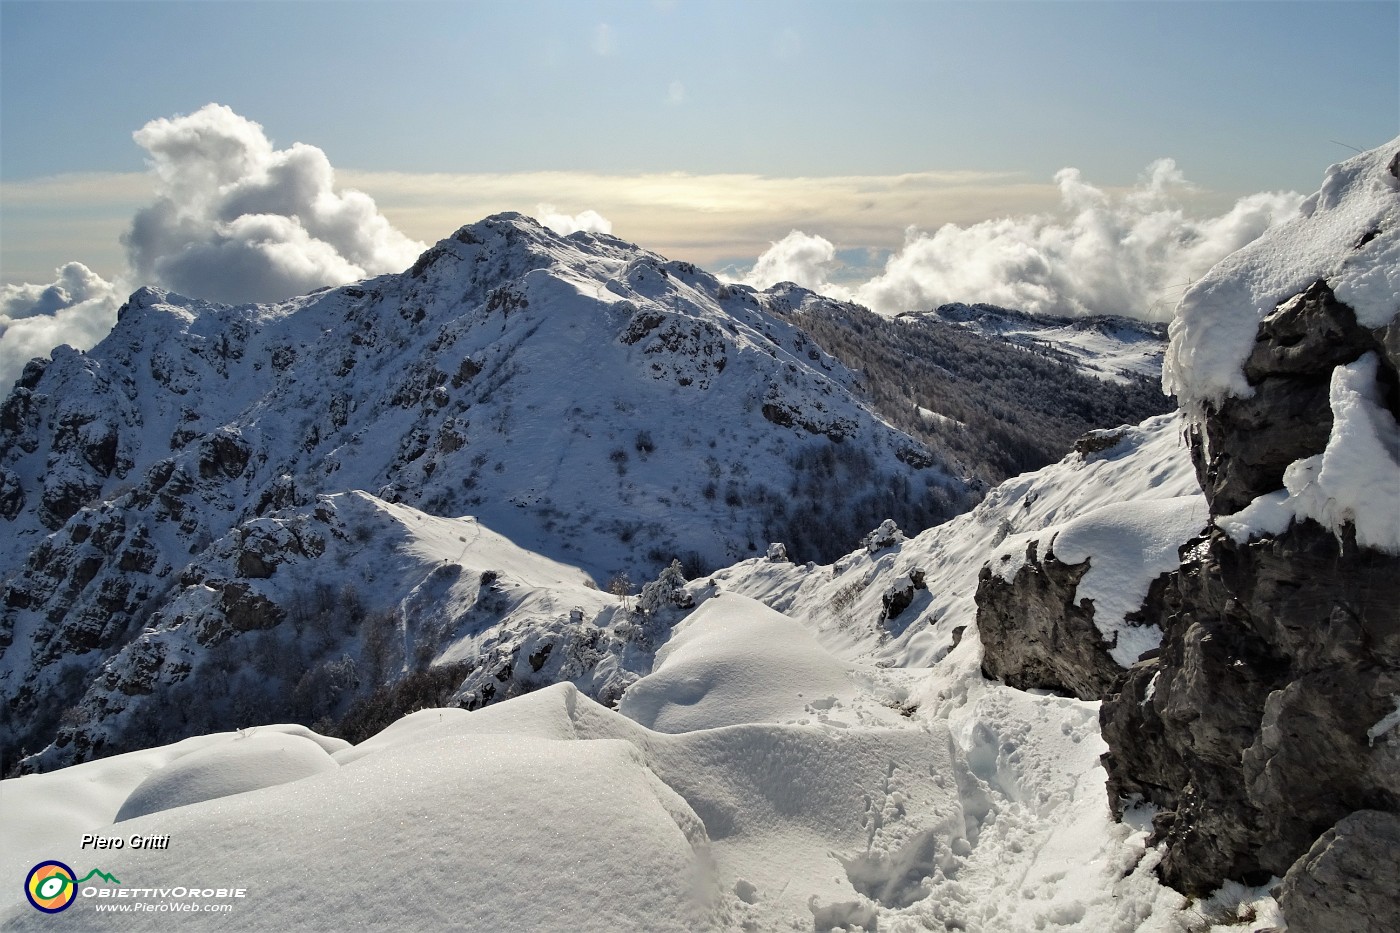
<point>1065,607</point>
<point>731,661</point>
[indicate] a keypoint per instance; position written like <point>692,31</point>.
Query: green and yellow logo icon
<point>51,887</point>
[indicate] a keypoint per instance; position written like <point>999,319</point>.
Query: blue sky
<point>827,136</point>
<point>1244,95</point>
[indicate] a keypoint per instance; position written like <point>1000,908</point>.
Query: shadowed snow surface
<point>794,761</point>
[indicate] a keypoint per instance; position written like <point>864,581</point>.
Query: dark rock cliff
<point>1265,729</point>
<point>1036,636</point>
<point>1254,729</point>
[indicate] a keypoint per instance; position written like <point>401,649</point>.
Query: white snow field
<point>793,761</point>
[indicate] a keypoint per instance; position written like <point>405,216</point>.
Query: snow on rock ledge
<point>1285,357</point>
<point>1348,233</point>
<point>1069,619</point>
<point>1355,480</point>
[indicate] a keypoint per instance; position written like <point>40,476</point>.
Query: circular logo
<point>50,887</point>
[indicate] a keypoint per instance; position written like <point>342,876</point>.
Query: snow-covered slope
<point>821,764</point>
<point>1105,346</point>
<point>847,601</point>
<point>578,396</point>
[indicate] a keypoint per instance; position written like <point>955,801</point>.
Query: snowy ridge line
<point>154,486</point>
<point>1113,349</point>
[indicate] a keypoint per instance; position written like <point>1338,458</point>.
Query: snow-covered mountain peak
<point>540,337</point>
<point>585,399</point>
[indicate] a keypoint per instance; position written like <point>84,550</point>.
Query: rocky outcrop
<point>1036,636</point>
<point>899,595</point>
<point>1350,878</point>
<point>1254,730</point>
<point>1069,606</point>
<point>1249,730</point>
<point>1242,446</point>
<point>1264,727</point>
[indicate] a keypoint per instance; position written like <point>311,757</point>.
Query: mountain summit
<point>589,399</point>
<point>585,399</point>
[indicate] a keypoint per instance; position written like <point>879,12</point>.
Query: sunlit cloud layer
<point>222,214</point>
<point>709,219</point>
<point>1101,252</point>
<point>798,257</point>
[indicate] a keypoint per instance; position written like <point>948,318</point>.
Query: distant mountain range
<point>1106,346</point>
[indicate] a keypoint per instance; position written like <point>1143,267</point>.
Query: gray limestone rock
<point>1348,880</point>
<point>1035,636</point>
<point>1245,444</point>
<point>1249,729</point>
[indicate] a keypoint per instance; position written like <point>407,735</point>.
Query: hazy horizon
<point>1059,157</point>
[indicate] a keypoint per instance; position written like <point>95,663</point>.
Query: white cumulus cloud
<point>1101,253</point>
<point>78,308</point>
<point>564,224</point>
<point>798,257</point>
<point>236,220</point>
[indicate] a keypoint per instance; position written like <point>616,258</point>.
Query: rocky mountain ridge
<point>581,397</point>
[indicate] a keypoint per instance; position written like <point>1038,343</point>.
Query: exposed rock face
<point>1264,726</point>
<point>899,595</point>
<point>1350,878</point>
<point>1253,729</point>
<point>1034,634</point>
<point>1242,447</point>
<point>1250,728</point>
